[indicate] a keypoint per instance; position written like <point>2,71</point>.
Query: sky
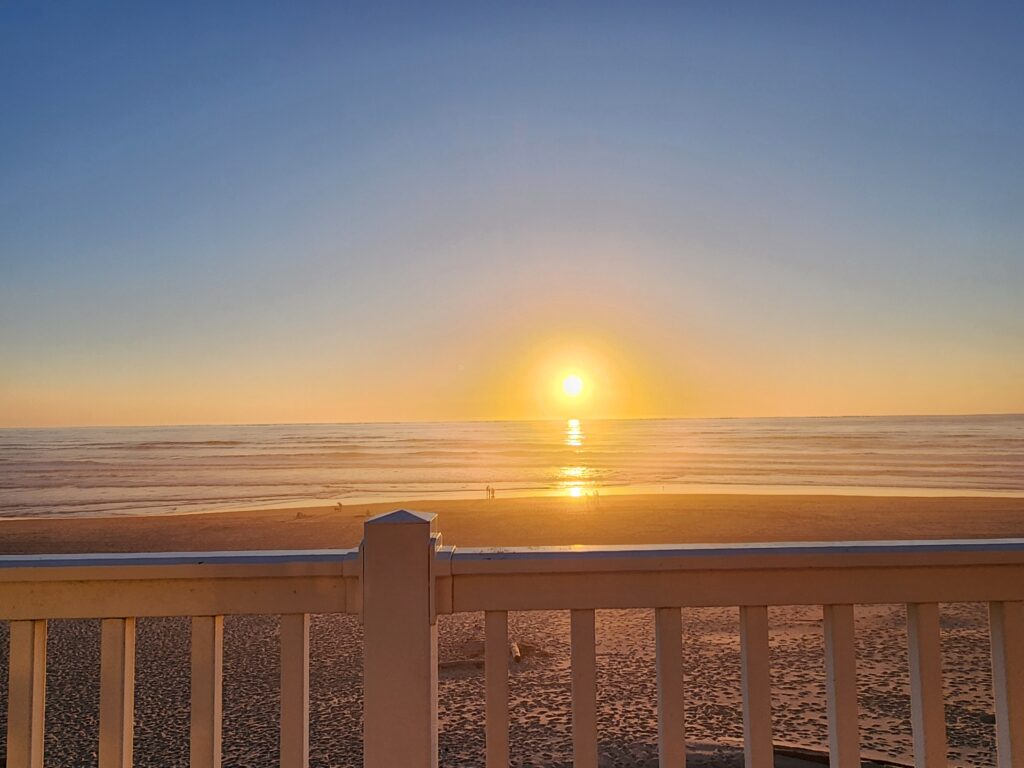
<point>253,213</point>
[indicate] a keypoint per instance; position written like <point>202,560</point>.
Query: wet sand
<point>650,519</point>
<point>539,687</point>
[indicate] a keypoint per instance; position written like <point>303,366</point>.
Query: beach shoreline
<point>538,521</point>
<point>171,470</point>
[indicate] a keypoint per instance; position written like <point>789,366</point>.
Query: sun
<point>572,385</point>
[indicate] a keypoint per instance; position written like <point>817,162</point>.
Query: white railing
<point>401,578</point>
<point>206,586</point>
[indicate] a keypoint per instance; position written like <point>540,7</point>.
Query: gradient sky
<point>221,212</point>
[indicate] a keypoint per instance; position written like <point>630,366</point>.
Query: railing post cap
<point>402,517</point>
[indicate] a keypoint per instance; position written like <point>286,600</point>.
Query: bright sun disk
<point>572,385</point>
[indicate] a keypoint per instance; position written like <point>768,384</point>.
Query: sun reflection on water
<point>573,478</point>
<point>574,433</point>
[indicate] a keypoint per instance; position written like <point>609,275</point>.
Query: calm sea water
<point>156,470</point>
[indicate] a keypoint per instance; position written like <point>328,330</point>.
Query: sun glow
<point>572,385</point>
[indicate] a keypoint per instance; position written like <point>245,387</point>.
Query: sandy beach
<point>538,521</point>
<point>540,682</point>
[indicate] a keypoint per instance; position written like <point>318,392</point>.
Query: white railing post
<point>584,688</point>
<point>26,694</point>
<point>496,674</point>
<point>841,686</point>
<point>927,708</point>
<point>755,673</point>
<point>295,690</point>
<point>668,644</point>
<point>1007,621</point>
<point>400,642</point>
<point>117,692</point>
<point>207,688</point>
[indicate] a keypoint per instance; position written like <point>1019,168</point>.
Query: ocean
<point>161,470</point>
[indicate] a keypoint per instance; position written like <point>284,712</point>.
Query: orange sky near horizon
<point>623,378</point>
<point>645,347</point>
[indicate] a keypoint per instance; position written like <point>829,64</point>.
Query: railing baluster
<point>295,690</point>
<point>1007,623</point>
<point>117,692</point>
<point>207,679</point>
<point>841,684</point>
<point>927,714</point>
<point>584,690</point>
<point>26,694</point>
<point>496,672</point>
<point>757,687</point>
<point>668,643</point>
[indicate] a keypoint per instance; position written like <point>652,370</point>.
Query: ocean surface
<point>160,470</point>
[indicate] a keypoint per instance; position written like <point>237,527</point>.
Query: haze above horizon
<point>339,214</point>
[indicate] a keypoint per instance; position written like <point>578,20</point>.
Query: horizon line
<point>527,420</point>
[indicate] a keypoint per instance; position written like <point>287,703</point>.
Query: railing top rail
<point>243,557</point>
<point>179,583</point>
<point>738,556</point>
<point>775,547</point>
<point>152,566</point>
